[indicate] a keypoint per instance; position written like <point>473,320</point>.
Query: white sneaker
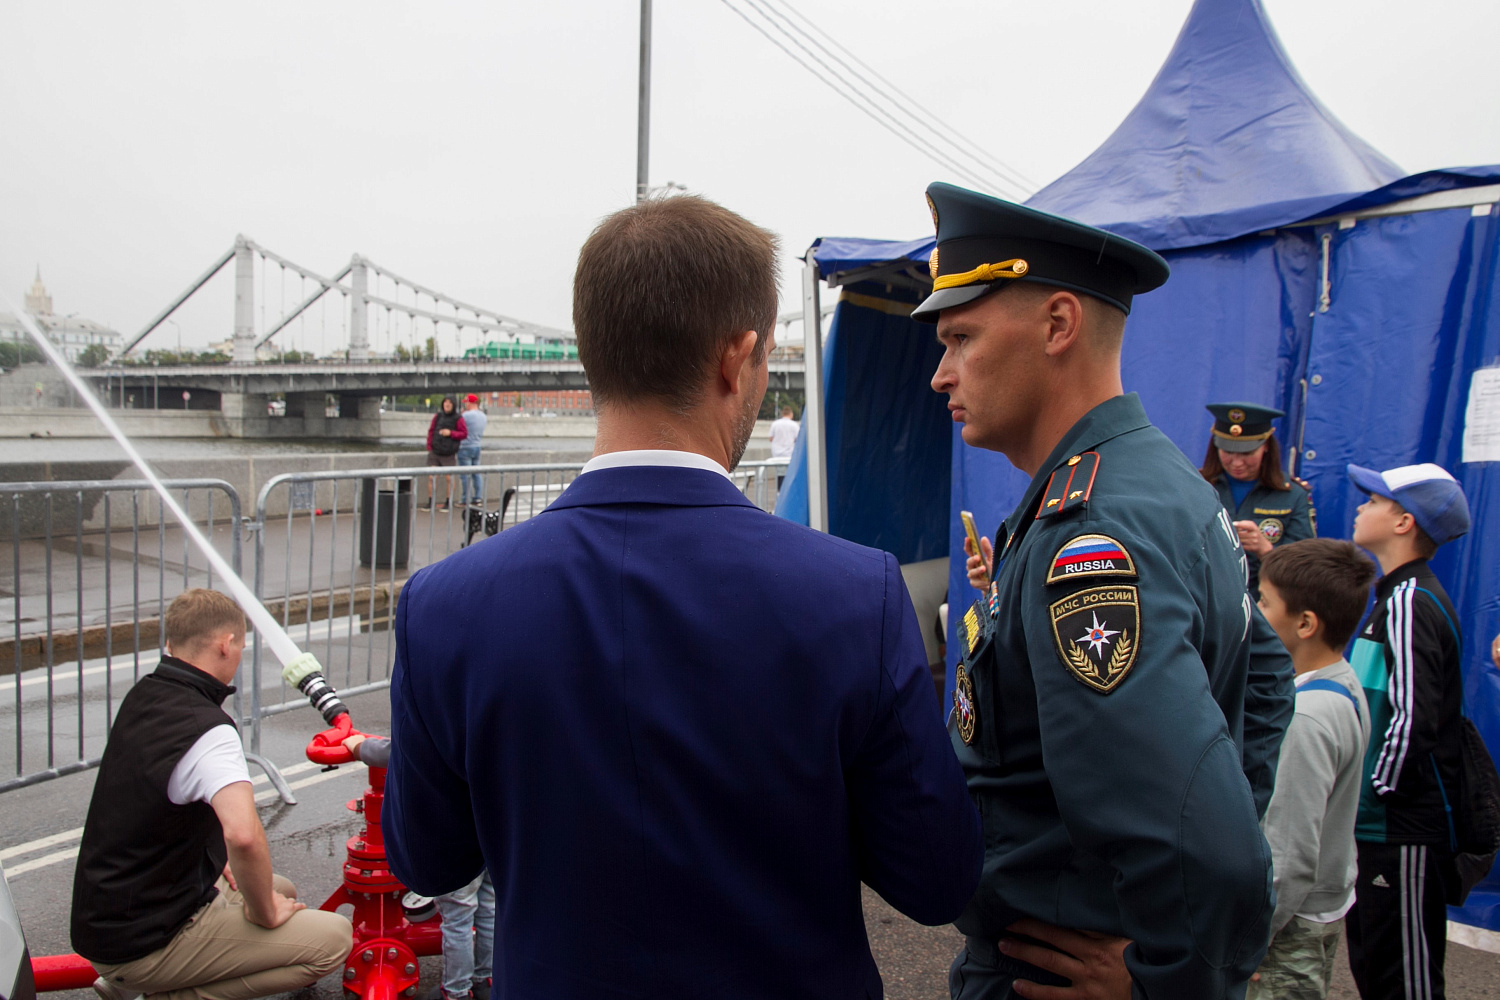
<point>113,991</point>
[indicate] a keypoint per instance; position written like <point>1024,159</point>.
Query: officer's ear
<point>1065,321</point>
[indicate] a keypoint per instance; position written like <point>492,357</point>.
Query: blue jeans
<point>468,934</point>
<point>468,456</point>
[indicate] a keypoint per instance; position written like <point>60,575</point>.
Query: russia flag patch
<point>1090,555</point>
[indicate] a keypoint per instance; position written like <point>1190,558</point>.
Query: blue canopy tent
<point>1307,273</point>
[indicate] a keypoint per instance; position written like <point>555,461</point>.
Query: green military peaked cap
<point>984,243</point>
<point>1242,427</point>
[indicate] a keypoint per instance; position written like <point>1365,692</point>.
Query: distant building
<point>71,333</point>
<point>563,402</point>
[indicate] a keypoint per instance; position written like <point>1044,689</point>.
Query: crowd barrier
<point>93,569</point>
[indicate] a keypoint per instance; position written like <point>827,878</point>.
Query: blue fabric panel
<point>1427,182</point>
<point>1413,315</point>
<point>1227,141</point>
<point>835,253</point>
<point>887,431</point>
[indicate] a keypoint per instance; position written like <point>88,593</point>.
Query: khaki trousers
<point>219,955</point>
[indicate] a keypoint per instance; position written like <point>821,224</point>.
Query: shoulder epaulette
<point>1070,485</point>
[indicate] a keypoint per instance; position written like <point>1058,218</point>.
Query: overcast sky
<point>471,147</point>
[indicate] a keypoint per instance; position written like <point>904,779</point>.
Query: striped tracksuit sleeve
<point>1415,651</point>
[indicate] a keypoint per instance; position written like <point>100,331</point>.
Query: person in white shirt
<point>173,894</point>
<point>1313,593</point>
<point>784,434</point>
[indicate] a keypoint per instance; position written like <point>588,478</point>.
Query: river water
<point>105,449</point>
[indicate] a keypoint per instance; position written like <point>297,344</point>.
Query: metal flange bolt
<point>411,969</point>
<point>349,973</point>
<point>391,954</point>
<point>367,956</point>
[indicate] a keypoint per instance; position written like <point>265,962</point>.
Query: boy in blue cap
<point>1407,660</point>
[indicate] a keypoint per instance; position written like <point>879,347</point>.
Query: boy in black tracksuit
<point>1407,658</point>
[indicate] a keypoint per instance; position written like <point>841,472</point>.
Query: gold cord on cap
<point>1014,268</point>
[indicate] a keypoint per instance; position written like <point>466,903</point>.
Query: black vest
<point>145,865</point>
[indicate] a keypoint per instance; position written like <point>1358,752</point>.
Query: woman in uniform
<point>1244,465</point>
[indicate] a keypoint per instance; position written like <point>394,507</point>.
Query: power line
<point>877,114</point>
<point>922,115</point>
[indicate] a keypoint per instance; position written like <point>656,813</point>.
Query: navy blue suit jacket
<point>680,732</point>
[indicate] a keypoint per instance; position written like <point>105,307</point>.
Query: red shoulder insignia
<point>1070,485</point>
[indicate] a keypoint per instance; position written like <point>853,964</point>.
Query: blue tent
<point>1307,274</point>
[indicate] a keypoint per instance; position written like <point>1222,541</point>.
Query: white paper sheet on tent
<point>1482,417</point>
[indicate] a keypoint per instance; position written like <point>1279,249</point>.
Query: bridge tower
<point>244,301</point>
<point>359,332</point>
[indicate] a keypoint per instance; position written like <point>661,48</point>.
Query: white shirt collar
<point>674,459</point>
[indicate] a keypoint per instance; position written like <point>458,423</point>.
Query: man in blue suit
<point>678,731</point>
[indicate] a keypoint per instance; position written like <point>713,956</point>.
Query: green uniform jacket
<point>1118,689</point>
<point>1282,516</point>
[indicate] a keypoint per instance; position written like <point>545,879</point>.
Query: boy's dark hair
<point>660,288</point>
<point>201,614</point>
<point>1329,577</point>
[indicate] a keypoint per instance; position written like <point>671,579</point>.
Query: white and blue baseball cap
<point>1427,492</point>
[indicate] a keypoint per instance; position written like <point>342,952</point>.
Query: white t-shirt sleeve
<point>215,760</point>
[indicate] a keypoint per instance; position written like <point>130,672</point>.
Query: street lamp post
<point>643,114</point>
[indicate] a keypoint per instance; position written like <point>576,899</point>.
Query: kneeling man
<point>156,909</point>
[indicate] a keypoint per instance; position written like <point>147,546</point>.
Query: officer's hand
<point>229,877</point>
<point>1252,539</point>
<point>1094,963</point>
<point>282,909</point>
<point>353,742</point>
<point>979,563</point>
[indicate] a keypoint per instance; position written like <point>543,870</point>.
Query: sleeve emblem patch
<point>963,705</point>
<point>1272,528</point>
<point>1097,634</point>
<point>1090,555</point>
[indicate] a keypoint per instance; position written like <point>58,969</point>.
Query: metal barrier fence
<point>92,570</point>
<point>349,540</point>
<point>95,563</point>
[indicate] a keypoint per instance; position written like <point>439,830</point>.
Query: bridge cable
<point>852,92</point>
<point>921,115</point>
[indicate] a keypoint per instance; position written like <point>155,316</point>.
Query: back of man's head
<point>787,411</point>
<point>661,288</point>
<point>1327,576</point>
<point>198,617</point>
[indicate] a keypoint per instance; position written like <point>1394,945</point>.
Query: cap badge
<point>932,263</point>
<point>1236,416</point>
<point>932,207</point>
<point>1235,430</point>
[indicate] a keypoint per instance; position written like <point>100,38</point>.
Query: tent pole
<point>814,427</point>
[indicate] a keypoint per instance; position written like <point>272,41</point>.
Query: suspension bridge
<point>512,355</point>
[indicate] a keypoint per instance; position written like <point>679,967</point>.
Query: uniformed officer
<point>1244,465</point>
<point>1106,710</point>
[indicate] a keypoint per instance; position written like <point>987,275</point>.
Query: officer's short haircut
<point>1327,576</point>
<point>198,615</point>
<point>660,288</point>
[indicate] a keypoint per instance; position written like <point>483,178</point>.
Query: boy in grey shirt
<point>1313,593</point>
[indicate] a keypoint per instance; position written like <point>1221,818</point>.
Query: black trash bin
<point>385,508</point>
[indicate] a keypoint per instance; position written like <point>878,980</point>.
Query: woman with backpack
<point>444,435</point>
